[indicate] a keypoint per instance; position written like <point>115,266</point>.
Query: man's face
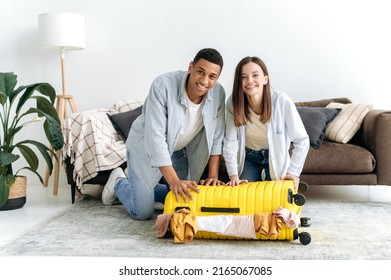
<point>203,76</point>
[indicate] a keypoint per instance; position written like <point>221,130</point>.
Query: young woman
<point>261,124</point>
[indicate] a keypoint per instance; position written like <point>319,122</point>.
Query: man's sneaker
<point>108,194</point>
<point>158,205</point>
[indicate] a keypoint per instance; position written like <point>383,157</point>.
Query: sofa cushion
<point>315,120</point>
<point>348,121</point>
<point>122,122</point>
<point>339,158</point>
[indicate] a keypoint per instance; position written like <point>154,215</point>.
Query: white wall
<point>314,49</point>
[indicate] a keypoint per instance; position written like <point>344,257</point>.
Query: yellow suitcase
<point>246,199</point>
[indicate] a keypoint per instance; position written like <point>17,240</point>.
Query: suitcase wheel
<point>305,238</point>
<point>304,222</point>
<point>303,187</point>
<point>299,199</point>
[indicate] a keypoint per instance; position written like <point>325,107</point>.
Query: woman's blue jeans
<point>136,198</point>
<point>256,166</point>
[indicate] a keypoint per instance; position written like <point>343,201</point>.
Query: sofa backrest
<point>323,102</point>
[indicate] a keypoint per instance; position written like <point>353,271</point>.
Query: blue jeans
<point>256,166</point>
<point>138,200</point>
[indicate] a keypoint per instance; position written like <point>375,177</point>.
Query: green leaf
<point>35,172</point>
<point>8,82</point>
<point>4,190</point>
<point>7,158</point>
<point>51,126</point>
<point>5,183</point>
<point>3,98</point>
<point>47,90</point>
<point>45,106</point>
<point>45,151</point>
<point>43,88</point>
<point>53,132</point>
<point>29,155</point>
<point>13,131</point>
<point>10,180</point>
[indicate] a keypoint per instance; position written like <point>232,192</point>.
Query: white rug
<point>339,230</point>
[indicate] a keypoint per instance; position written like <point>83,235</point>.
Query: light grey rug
<point>339,230</point>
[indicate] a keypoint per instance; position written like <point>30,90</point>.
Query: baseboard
<point>377,193</point>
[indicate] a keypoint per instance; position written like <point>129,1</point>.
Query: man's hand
<point>182,188</point>
<point>212,182</point>
<point>178,187</point>
<point>213,174</point>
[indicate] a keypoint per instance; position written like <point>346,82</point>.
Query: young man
<point>180,131</point>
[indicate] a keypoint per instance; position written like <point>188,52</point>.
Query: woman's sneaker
<point>108,194</point>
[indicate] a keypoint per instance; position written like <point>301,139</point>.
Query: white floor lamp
<point>61,32</point>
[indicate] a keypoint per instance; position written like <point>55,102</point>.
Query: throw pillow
<point>348,121</point>
<point>315,120</point>
<point>122,122</point>
<point>125,105</point>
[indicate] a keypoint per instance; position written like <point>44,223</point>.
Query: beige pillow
<point>347,122</point>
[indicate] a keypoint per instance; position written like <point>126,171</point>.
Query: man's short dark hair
<point>210,55</point>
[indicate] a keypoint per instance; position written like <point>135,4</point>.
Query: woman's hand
<point>235,181</point>
<point>295,179</point>
<point>182,188</point>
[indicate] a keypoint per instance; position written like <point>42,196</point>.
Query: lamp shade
<point>61,31</point>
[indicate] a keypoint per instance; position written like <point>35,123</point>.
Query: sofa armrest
<point>374,134</point>
<point>92,144</point>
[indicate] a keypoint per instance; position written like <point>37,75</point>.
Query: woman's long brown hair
<point>240,100</point>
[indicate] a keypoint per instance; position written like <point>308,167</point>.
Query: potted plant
<point>20,107</point>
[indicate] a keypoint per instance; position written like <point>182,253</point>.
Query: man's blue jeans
<point>256,166</point>
<point>136,198</point>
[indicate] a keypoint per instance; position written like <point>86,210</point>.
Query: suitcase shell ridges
<point>255,197</point>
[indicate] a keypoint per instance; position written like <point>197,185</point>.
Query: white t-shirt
<point>192,124</point>
<point>256,133</point>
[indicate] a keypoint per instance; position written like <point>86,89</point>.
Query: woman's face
<point>253,79</point>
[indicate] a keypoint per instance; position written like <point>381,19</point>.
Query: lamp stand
<point>62,101</point>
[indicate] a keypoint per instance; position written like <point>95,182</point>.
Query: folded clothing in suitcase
<point>270,205</point>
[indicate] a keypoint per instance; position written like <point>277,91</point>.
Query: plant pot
<point>17,194</point>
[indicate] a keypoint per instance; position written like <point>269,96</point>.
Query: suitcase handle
<point>181,207</point>
<point>220,209</point>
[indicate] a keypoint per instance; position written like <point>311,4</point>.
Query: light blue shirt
<point>154,134</point>
<point>284,127</point>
